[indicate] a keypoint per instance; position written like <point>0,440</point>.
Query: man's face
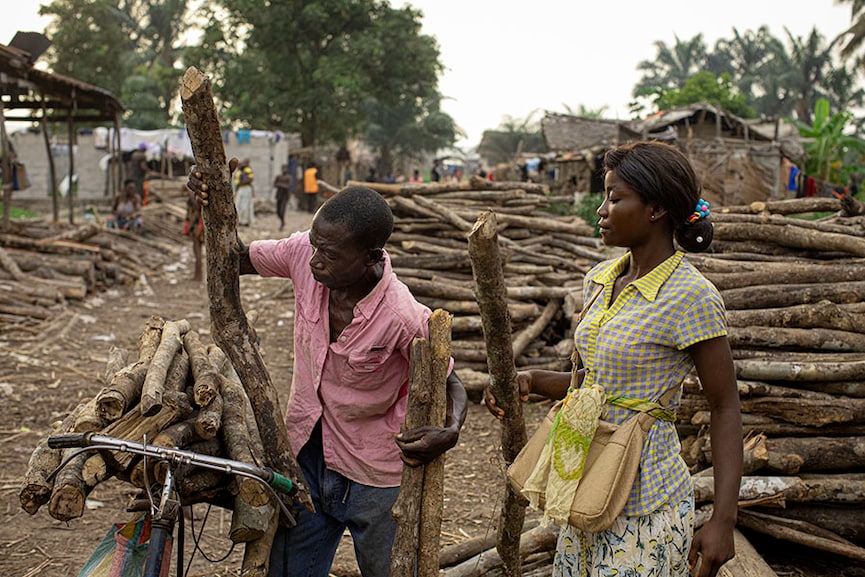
<point>336,261</point>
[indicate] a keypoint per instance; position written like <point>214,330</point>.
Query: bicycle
<point>164,515</point>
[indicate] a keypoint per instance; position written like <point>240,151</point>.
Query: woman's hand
<point>524,387</point>
<point>712,547</point>
<point>196,185</point>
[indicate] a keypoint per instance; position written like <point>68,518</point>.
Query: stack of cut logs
<point>175,391</point>
<point>795,295</point>
<point>44,265</point>
<point>545,257</point>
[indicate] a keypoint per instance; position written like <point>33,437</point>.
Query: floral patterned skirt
<point>654,545</point>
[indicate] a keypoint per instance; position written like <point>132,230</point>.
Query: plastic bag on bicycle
<point>123,550</point>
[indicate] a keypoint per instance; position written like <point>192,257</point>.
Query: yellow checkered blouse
<point>637,347</point>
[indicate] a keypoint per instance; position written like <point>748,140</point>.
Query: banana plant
<point>831,154</point>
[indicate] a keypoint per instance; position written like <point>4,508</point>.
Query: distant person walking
<point>283,185</point>
<point>244,194</point>
<point>310,187</point>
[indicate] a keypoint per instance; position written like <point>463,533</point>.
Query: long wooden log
<point>206,385</point>
<point>788,206</point>
<point>785,295</point>
<point>792,455</point>
<point>769,370</point>
<point>800,533</point>
<point>432,498</point>
<point>474,183</point>
<point>822,314</point>
<point>795,274</point>
<point>541,538</point>
<point>533,331</point>
<point>406,509</point>
<point>747,563</point>
<point>124,389</point>
<point>817,489</point>
<point>844,520</point>
<point>793,237</point>
<point>154,382</point>
<point>492,300</point>
<point>231,329</point>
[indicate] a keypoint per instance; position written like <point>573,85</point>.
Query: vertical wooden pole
<point>492,300</point>
<point>6,151</point>
<point>69,194</point>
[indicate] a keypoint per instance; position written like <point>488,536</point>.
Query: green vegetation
<point>587,208</point>
<point>15,212</point>
<point>832,155</point>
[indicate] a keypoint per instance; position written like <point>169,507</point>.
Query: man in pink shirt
<point>354,325</point>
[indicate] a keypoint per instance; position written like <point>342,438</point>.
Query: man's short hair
<point>363,212</point>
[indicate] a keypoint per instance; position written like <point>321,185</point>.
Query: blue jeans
<point>307,549</point>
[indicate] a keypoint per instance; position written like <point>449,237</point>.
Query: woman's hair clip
<point>701,211</point>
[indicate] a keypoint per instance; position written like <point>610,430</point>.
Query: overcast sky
<point>506,59</point>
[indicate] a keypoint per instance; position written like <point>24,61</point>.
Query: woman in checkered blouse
<point>656,320</point>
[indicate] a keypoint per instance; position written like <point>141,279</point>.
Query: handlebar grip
<point>68,441</point>
<point>282,483</point>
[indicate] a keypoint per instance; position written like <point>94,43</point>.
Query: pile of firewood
<point>794,301</point>
<point>175,392</point>
<point>545,257</point>
<point>45,265</point>
<point>795,295</point>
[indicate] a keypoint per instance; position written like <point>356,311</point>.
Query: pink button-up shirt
<point>358,384</point>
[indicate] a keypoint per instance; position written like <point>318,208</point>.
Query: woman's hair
<point>363,212</point>
<point>663,176</point>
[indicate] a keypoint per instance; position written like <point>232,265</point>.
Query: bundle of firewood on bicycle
<point>175,391</point>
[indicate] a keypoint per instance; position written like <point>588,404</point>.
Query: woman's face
<point>625,220</point>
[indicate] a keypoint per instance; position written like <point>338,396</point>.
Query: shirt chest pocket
<point>367,369</point>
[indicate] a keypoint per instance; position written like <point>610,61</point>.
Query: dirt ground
<point>40,384</point>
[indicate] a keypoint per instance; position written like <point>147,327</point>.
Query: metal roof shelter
<point>33,95</point>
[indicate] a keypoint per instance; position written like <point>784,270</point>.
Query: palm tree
<point>672,66</point>
<point>745,57</point>
<point>855,35</point>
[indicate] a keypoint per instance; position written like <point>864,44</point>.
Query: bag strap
<point>575,355</point>
<point>658,410</point>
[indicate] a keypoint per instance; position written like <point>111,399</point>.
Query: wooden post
<point>231,330</point>
<point>492,301</point>
<point>418,508</point>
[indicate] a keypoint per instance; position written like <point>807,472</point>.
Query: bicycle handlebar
<point>178,456</point>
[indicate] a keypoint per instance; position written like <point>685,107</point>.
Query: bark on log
<point>844,520</point>
<point>800,533</point>
<point>534,330</point>
<point>747,562</point>
<point>816,454</point>
<point>231,330</point>
<point>492,300</point>
<point>154,383</point>
<point>786,295</point>
<point>206,376</point>
<point>432,498</point>
<point>541,538</point>
<point>124,390</point>
<point>789,206</point>
<point>813,488</point>
<point>768,370</point>
<point>256,554</point>
<point>406,509</point>
<point>822,314</point>
<point>791,236</point>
